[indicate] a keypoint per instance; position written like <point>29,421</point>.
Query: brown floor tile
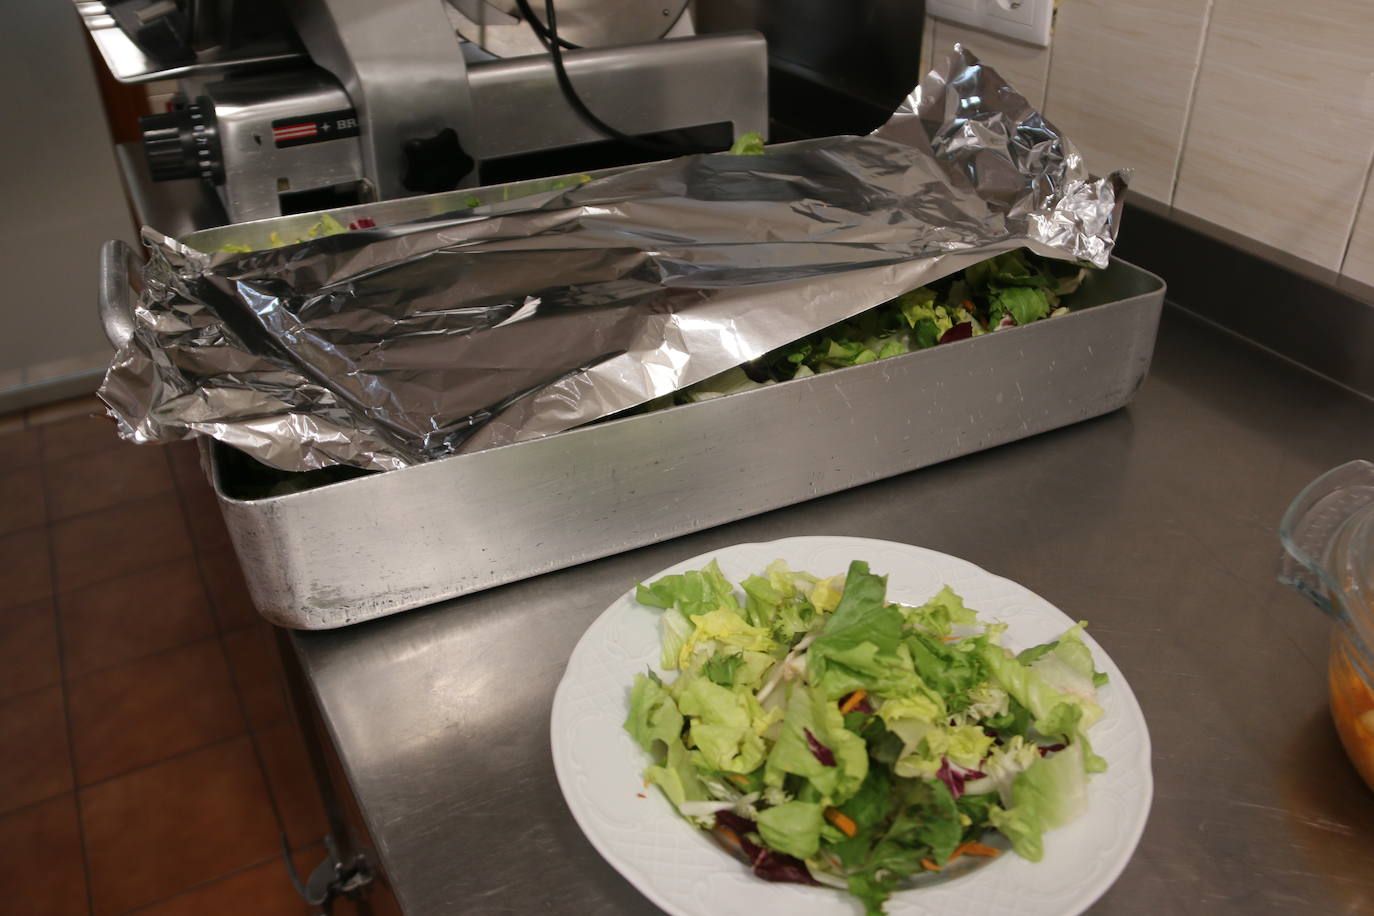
<point>228,592</point>
<point>20,447</point>
<point>36,764</point>
<point>117,541</point>
<point>28,648</point>
<point>292,783</point>
<point>264,890</point>
<point>25,571</point>
<point>109,477</point>
<point>76,436</point>
<point>21,499</point>
<point>142,712</point>
<point>161,830</point>
<point>257,671</point>
<point>40,860</point>
<point>184,457</point>
<point>206,522</point>
<point>202,509</point>
<point>133,616</point>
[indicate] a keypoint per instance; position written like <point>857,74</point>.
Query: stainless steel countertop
<point>1157,523</point>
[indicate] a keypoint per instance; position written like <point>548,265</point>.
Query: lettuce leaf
<point>1067,665</point>
<point>810,711</point>
<point>748,144</point>
<point>925,744</point>
<point>653,714</point>
<point>721,668</point>
<point>925,824</point>
<point>693,592</point>
<point>858,644</point>
<point>677,777</point>
<point>675,629</point>
<point>1056,714</point>
<point>1022,303</point>
<point>793,827</point>
<point>953,671</point>
<point>721,724</point>
<point>722,629</point>
<point>1049,793</point>
<point>940,614</point>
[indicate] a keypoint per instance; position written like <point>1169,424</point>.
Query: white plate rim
<point>1122,707</point>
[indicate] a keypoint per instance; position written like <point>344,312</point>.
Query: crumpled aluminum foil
<point>385,347</point>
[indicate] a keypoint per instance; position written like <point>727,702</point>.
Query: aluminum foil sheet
<point>389,346</point>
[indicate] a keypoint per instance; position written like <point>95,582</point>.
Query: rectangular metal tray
<point>384,543</point>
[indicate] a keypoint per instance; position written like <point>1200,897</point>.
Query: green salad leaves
<point>1015,288</point>
<point>838,738</point>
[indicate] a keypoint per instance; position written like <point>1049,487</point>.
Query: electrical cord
<point>547,32</point>
<point>541,30</point>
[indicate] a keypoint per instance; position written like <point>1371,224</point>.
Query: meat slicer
<point>309,104</point>
<point>290,106</point>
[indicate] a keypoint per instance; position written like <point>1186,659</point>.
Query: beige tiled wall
<point>1359,256</point>
<point>1256,116</point>
<point>1121,77</point>
<point>1277,144</point>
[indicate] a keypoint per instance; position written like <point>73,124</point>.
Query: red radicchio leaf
<point>1051,748</point>
<point>954,776</point>
<point>767,864</point>
<point>733,822</point>
<point>820,751</point>
<point>777,866</point>
<point>365,222</point>
<point>961,331</point>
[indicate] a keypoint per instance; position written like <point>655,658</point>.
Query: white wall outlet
<point>1024,20</point>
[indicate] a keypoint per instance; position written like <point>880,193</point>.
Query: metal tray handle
<point>120,281</point>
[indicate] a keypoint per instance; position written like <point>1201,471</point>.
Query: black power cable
<point>541,31</point>
<point>547,32</point>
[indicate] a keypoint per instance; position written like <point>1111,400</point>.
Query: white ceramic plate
<point>683,871</point>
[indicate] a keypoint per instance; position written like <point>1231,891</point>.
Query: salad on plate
<point>831,736</point>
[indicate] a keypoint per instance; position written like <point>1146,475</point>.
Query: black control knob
<point>435,163</point>
<point>183,144</point>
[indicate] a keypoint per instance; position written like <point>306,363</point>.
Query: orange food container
<point>1328,541</point>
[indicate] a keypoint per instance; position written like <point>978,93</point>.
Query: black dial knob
<point>183,144</point>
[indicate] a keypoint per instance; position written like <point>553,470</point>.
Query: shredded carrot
<point>974,849</point>
<point>841,820</point>
<point>641,795</point>
<point>853,700</point>
<point>738,780</point>
<point>929,865</point>
<point>729,835</point>
<point>968,304</point>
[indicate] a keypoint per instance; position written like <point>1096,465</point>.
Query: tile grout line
<point>62,673</point>
<point>86,513</point>
<point>146,657</point>
<point>177,755</point>
<point>1192,100</point>
<point>234,678</point>
<point>138,659</point>
<point>153,653</point>
<point>1355,217</point>
<point>1049,60</point>
<point>206,883</point>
